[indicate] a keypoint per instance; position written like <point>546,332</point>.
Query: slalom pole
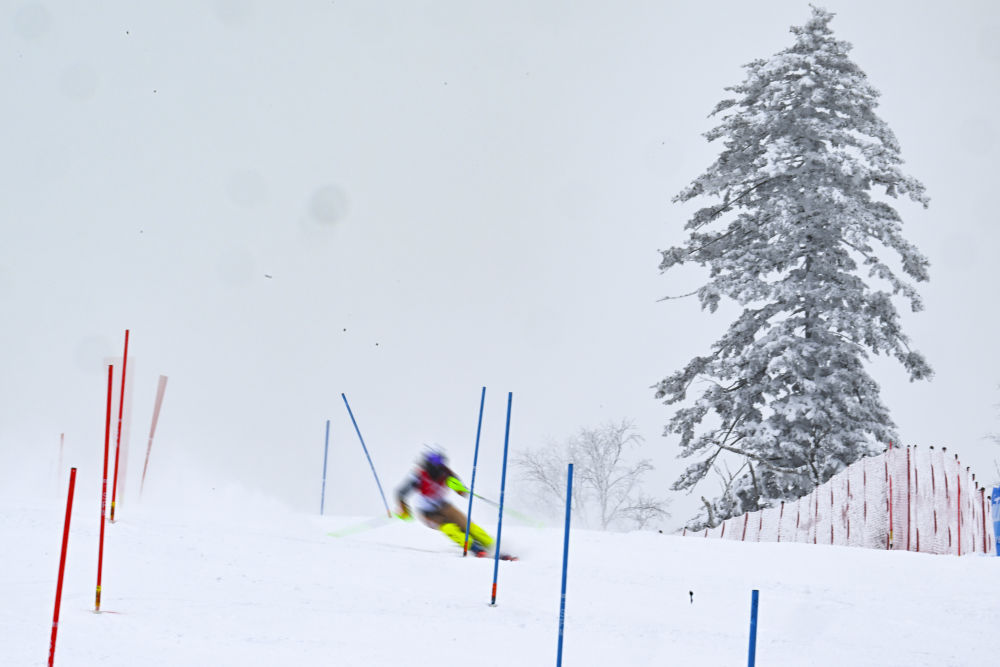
<point>358,430</point>
<point>995,515</point>
<point>161,387</point>
<point>503,481</point>
<point>104,491</point>
<point>562,599</point>
<point>326,447</point>
<point>62,565</point>
<point>753,628</point>
<point>118,437</point>
<point>472,484</point>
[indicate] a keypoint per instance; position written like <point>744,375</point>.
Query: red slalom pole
<point>161,387</point>
<point>62,565</point>
<point>118,438</point>
<point>104,490</point>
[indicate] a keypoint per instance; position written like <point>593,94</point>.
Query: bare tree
<point>605,485</point>
<point>545,471</point>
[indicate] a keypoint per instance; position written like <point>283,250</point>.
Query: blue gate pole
<point>326,447</point>
<point>995,501</point>
<point>378,483</point>
<point>503,481</point>
<point>472,487</point>
<point>562,599</point>
<point>753,628</point>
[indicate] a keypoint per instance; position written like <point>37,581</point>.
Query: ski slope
<point>230,578</point>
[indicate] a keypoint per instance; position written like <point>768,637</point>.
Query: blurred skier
<point>431,480</point>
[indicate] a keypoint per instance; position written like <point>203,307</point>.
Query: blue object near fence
<point>472,483</point>
<point>753,629</point>
<point>996,516</point>
<point>562,599</point>
<point>326,447</point>
<point>503,481</point>
<point>358,430</point>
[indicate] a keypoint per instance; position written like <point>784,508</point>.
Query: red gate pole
<point>848,509</point>
<point>118,438</point>
<point>798,519</point>
<point>916,492</point>
<point>104,490</point>
<point>864,492</point>
<point>62,565</point>
<point>890,514</point>
<point>161,387</point>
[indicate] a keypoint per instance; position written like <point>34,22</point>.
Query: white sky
<point>500,177</point>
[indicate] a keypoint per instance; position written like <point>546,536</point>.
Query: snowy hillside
<point>227,579</point>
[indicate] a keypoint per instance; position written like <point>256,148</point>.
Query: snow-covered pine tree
<point>797,240</point>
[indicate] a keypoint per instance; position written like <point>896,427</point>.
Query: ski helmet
<point>434,461</point>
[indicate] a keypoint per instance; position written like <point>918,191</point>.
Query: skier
<point>431,480</point>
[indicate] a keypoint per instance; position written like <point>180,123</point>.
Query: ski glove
<point>456,485</point>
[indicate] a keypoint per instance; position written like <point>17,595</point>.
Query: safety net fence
<point>913,499</point>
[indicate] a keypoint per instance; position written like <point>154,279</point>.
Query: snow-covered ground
<point>228,578</point>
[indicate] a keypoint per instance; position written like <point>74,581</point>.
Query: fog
<point>408,201</point>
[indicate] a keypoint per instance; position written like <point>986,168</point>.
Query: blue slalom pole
<point>472,487</point>
<point>326,447</point>
<point>354,421</point>
<point>503,481</point>
<point>753,628</point>
<point>562,599</point>
<point>995,502</point>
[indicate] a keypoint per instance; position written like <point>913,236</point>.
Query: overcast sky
<point>407,201</point>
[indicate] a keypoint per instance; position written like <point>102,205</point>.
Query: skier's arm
<point>402,491</point>
<point>455,484</point>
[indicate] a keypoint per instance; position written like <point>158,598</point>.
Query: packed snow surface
<point>233,580</point>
